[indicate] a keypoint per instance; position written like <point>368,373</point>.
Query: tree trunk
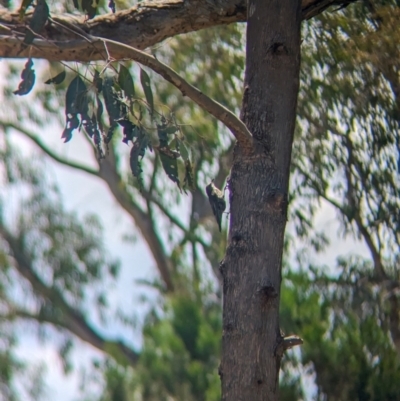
<point>252,342</point>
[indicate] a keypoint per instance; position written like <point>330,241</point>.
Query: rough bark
<point>142,26</point>
<point>252,343</point>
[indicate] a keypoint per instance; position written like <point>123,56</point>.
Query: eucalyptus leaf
<point>183,151</point>
<point>90,7</point>
<point>129,129</point>
<point>112,98</point>
<point>146,85</point>
<point>189,178</point>
<point>74,105</point>
<point>38,21</point>
<point>58,79</point>
<point>137,153</point>
<point>28,79</point>
<point>125,81</point>
<point>162,135</point>
<point>170,166</point>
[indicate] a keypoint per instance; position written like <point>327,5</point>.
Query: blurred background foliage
<point>56,267</point>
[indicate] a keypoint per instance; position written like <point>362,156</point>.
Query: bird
<point>217,201</point>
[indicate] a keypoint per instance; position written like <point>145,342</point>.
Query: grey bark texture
<point>252,341</point>
<point>142,26</point>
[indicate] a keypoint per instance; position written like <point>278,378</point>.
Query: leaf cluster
<point>345,332</point>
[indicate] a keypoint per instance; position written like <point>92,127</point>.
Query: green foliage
<point>348,104</point>
<point>145,81</point>
<point>61,254</point>
<point>84,108</point>
<point>181,351</point>
<point>9,366</point>
<point>347,344</point>
<point>125,81</point>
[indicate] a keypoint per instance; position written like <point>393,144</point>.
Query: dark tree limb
<point>109,173</point>
<point>142,26</point>
<point>251,269</point>
<point>174,220</point>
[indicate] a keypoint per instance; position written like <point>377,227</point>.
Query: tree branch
<point>36,140</point>
<point>376,257</point>
<point>375,252</point>
<point>86,43</point>
<point>142,26</point>
<point>70,318</point>
<point>174,220</point>
<point>220,112</point>
<point>118,50</point>
<point>107,172</point>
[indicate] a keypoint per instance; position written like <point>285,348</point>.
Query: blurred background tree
<point>341,282</point>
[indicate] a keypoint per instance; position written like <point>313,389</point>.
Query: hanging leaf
<point>90,7</point>
<point>28,79</point>
<point>90,125</point>
<point>75,96</point>
<point>74,104</point>
<point>174,144</point>
<point>162,134</point>
<point>110,133</point>
<point>170,164</point>
<point>138,151</point>
<point>183,151</point>
<point>98,81</point>
<point>125,81</point>
<point>167,151</point>
<point>58,79</point>
<point>171,130</point>
<point>129,129</point>
<point>115,108</point>
<point>38,21</point>
<point>163,131</point>
<point>90,108</point>
<point>189,180</point>
<point>24,6</point>
<point>100,109</point>
<point>97,138</point>
<point>145,81</point>
<point>76,4</point>
<point>112,97</point>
